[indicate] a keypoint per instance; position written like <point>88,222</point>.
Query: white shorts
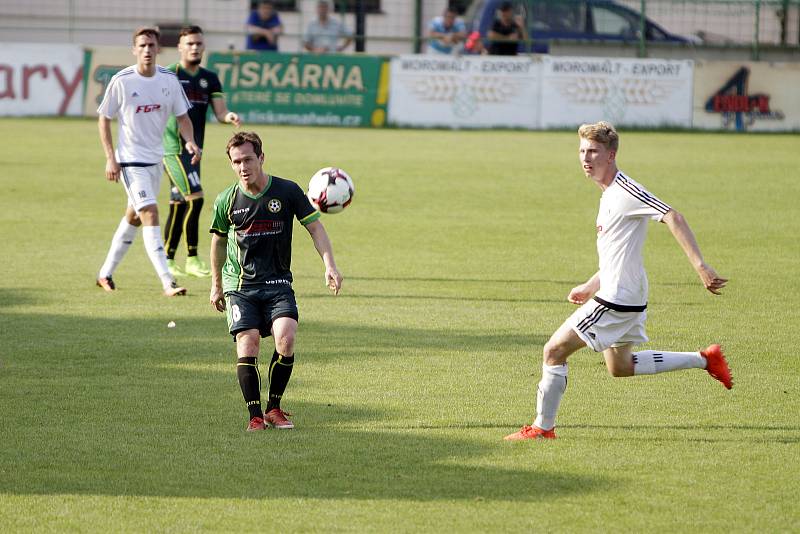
<point>600,327</point>
<point>141,184</point>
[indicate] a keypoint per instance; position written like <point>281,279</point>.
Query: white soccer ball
<point>330,190</point>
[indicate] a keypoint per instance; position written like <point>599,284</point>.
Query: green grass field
<point>458,253</point>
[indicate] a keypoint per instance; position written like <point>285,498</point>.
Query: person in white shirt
<point>323,35</point>
<point>142,97</point>
<point>613,301</point>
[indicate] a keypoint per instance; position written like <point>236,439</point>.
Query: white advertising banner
<point>747,96</point>
<point>464,92</point>
<point>624,91</point>
<point>40,79</point>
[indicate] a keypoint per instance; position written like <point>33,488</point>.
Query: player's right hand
<point>579,295</point>
<point>195,151</point>
<point>217,299</point>
<point>112,170</point>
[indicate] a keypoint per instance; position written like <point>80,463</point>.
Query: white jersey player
<point>142,97</point>
<point>613,302</point>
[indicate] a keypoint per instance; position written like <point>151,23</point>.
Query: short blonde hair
<point>603,132</point>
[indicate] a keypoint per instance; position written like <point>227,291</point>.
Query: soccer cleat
<point>175,290</point>
<point>716,365</point>
<point>196,267</point>
<point>531,432</point>
<point>256,423</point>
<point>175,269</point>
<point>107,284</point>
<point>276,418</point>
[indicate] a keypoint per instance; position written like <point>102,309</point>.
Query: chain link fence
<point>400,26</point>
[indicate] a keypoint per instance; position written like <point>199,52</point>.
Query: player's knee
<point>284,343</point>
<point>553,353</point>
<point>247,344</point>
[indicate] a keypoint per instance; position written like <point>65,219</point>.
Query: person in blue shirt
<point>264,27</point>
<point>446,32</point>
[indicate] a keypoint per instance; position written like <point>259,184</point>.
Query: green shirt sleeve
<point>221,222</point>
<point>303,209</point>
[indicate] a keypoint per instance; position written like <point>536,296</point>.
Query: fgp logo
<point>147,108</point>
<point>739,108</point>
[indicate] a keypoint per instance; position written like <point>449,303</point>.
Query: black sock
<point>174,228</point>
<point>250,382</point>
<point>280,369</point>
<point>192,224</point>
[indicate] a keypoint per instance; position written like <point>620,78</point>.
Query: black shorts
<point>258,308</point>
<point>184,176</point>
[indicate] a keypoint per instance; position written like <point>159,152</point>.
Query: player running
<point>143,97</point>
<point>202,87</point>
<point>252,237</point>
<point>613,321</point>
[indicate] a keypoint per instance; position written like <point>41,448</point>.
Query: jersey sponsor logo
<point>274,205</point>
<point>241,210</point>
<point>262,227</point>
<point>147,108</point>
<point>278,281</point>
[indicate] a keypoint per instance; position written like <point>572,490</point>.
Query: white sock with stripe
<point>155,251</point>
<point>120,243</point>
<point>650,362</point>
<point>548,397</point>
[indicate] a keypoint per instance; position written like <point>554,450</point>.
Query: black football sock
<point>280,369</point>
<point>174,228</point>
<point>192,224</point>
<point>250,382</point>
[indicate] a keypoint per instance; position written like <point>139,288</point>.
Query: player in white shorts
<point>614,300</point>
<point>142,97</point>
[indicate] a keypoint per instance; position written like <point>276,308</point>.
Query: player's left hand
<point>233,118</point>
<point>711,280</point>
<point>333,280</point>
<point>195,151</point>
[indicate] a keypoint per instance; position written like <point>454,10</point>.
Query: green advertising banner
<point>275,88</point>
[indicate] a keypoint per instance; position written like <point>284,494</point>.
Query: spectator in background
<point>264,27</point>
<point>323,35</point>
<point>446,32</point>
<point>507,32</point>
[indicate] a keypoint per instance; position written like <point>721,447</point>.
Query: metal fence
<point>400,26</point>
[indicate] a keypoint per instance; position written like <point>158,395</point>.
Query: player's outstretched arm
<point>685,238</point>
<point>323,245</point>
<point>582,293</point>
<point>219,245</point>
<point>222,114</point>
<point>112,166</point>
<point>187,132</point>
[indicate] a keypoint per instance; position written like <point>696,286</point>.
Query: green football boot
<point>175,269</point>
<point>196,267</point>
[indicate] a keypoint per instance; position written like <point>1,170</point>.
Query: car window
<point>608,21</point>
<point>567,17</point>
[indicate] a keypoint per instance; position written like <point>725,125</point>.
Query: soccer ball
<point>330,190</point>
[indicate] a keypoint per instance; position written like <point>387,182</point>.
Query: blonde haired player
<point>613,301</point>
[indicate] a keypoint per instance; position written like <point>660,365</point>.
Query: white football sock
<point>158,257</point>
<point>120,243</point>
<point>548,397</point>
<point>650,362</point>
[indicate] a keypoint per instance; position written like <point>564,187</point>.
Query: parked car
<point>594,20</point>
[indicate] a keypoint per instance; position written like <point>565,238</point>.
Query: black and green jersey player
<point>251,277</point>
<point>202,87</point>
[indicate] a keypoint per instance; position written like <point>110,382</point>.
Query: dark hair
<point>149,31</point>
<point>240,138</point>
<point>189,30</point>
<point>506,6</point>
